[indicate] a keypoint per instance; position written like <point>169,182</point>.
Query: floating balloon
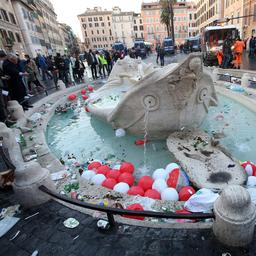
<point>90,88</point>
<point>87,175</point>
<point>109,183</point>
<point>136,190</point>
<point>186,192</point>
<point>127,167</point>
<point>177,179</point>
<point>83,91</point>
<point>145,182</point>
<point>127,178</point>
<point>85,97</point>
<point>152,193</point>
<point>98,179</point>
<point>87,109</point>
<point>170,167</point>
<point>170,194</point>
<point>120,132</point>
<point>103,169</point>
<point>159,185</point>
<point>249,167</point>
<point>94,165</point>
<point>121,187</point>
<point>135,207</point>
<point>72,97</point>
<point>113,174</point>
<point>159,174</point>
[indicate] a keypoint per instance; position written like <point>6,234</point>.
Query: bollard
<point>27,181</point>
<point>235,216</point>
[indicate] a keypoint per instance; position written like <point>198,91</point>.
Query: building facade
<point>208,12</point>
<point>235,9</point>
<point>50,27</point>
<point>122,23</point>
<point>249,22</point>
<point>11,38</point>
<point>30,26</point>
<point>96,26</point>
<point>154,30</point>
<point>138,28</point>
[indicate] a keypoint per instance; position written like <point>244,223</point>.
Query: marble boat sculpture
<point>138,96</point>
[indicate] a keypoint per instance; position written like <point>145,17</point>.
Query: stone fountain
<point>169,102</point>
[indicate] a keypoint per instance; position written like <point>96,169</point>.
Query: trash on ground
<point>71,223</point>
<point>60,175</point>
<point>31,215</point>
<point>6,224</point>
<point>9,211</point>
<point>17,233</point>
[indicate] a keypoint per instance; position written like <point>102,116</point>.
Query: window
<point>100,18</point>
<point>96,24</point>
<point>135,28</point>
<point>110,32</point>
<point>84,26</point>
<point>98,32</point>
<point>140,21</point>
<point>108,18</point>
<point>103,32</point>
<point>109,24</point>
<point>141,27</point>
<point>92,32</point>
<point>18,37</point>
<point>85,33</point>
<point>254,12</point>
<point>90,19</point>
<point>4,15</point>
<point>90,25</point>
<point>12,18</point>
<point>102,24</point>
<point>95,18</point>
<point>134,21</point>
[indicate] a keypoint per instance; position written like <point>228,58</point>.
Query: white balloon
<point>159,185</point>
<point>251,181</point>
<point>170,167</point>
<point>120,132</point>
<point>121,187</point>
<point>159,174</point>
<point>170,194</point>
<point>98,179</point>
<point>87,175</point>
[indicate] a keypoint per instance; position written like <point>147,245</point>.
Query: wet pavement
<point>46,233</point>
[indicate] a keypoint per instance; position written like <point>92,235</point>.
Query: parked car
<point>140,48</point>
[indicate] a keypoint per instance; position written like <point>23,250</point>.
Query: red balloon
<point>186,192</point>
<point>83,91</point>
<point>135,207</point>
<point>87,109</point>
<point>72,96</point>
<point>152,193</point>
<point>114,174</point>
<point>90,88</point>
<point>145,182</point>
<point>136,190</point>
<point>126,178</point>
<point>183,211</point>
<point>94,165</point>
<point>85,97</point>
<point>109,183</point>
<point>127,167</point>
<point>103,169</point>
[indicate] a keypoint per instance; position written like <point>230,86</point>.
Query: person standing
<point>227,52</point>
<point>157,52</point>
<point>15,83</point>
<point>103,63</point>
<point>92,63</point>
<point>79,68</point>
<point>44,67</point>
<point>109,61</point>
<point>238,51</point>
<point>251,46</point>
<point>161,56</point>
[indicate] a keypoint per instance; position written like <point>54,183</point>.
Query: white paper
<point>6,224</point>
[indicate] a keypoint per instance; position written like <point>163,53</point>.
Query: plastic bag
<point>201,201</point>
<point>120,132</point>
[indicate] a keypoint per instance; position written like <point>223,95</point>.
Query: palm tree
<point>167,16</point>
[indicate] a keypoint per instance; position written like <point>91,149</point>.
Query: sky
<point>67,10</point>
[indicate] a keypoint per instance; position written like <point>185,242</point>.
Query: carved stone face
<point>195,65</point>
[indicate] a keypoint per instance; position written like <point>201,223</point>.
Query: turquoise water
<point>238,124</point>
<point>89,138</point>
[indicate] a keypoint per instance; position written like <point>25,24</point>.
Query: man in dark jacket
<point>16,87</point>
<point>227,52</point>
<point>92,62</point>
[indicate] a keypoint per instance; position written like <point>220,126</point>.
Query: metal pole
<point>111,220</point>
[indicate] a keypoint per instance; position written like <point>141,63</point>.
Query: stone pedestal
<point>27,181</point>
<point>15,110</point>
<point>245,80</point>
<point>235,216</point>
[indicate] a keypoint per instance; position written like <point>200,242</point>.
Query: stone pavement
<point>46,233</point>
